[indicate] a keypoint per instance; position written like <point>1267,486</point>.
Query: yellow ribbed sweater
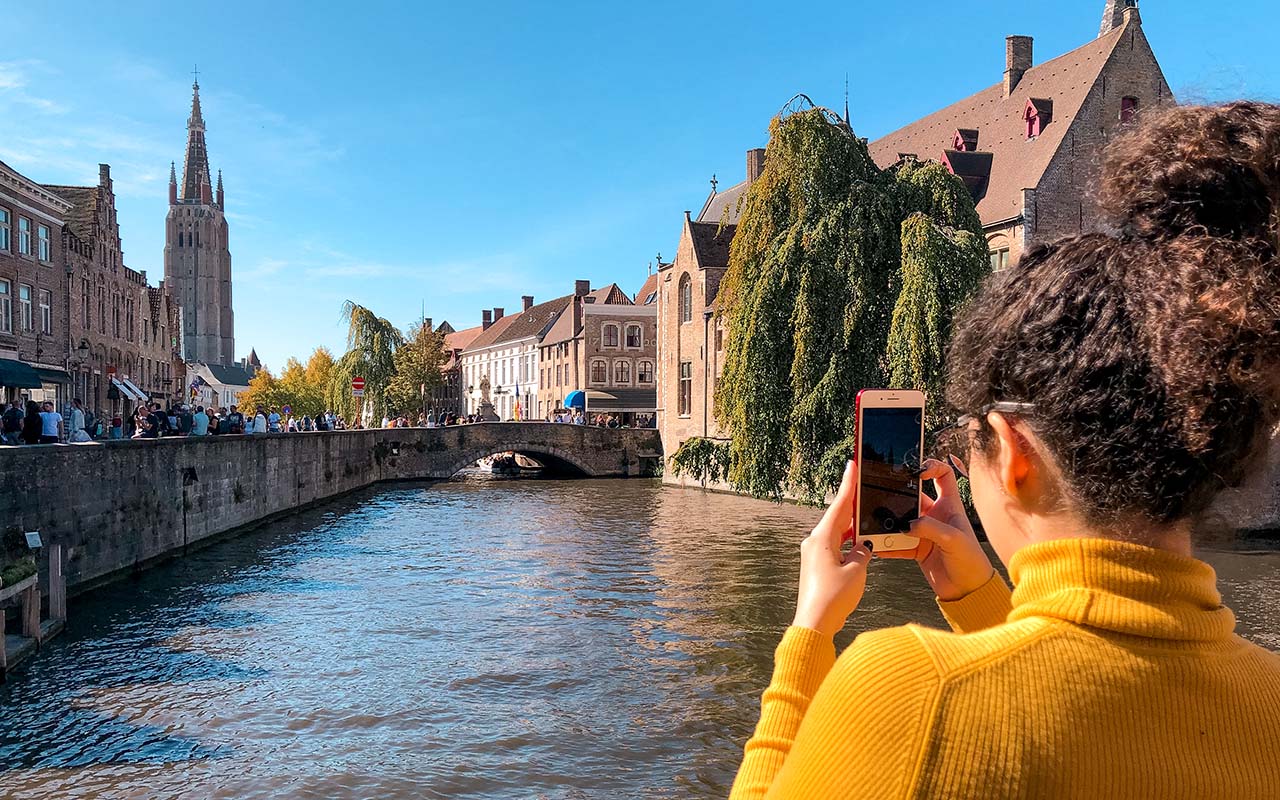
<point>1111,672</point>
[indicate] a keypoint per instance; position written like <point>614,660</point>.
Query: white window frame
<point>25,315</point>
<point>24,236</point>
<point>6,307</point>
<point>640,371</point>
<point>5,238</point>
<point>44,243</point>
<point>604,336</point>
<point>626,336</point>
<point>599,362</point>
<point>46,311</point>
<point>622,363</point>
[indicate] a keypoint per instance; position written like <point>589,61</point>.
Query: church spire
<point>221,204</point>
<point>173,184</point>
<point>197,160</point>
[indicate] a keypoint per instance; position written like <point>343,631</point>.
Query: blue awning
<point>576,400</point>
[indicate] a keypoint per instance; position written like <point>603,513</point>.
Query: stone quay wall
<point>117,507</point>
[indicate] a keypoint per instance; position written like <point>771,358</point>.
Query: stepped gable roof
<point>534,322</point>
<point>711,243</point>
<point>1017,162</point>
<point>724,206</point>
<point>486,338</point>
<point>648,294</point>
<point>83,216</point>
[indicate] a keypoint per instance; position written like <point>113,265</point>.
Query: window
<point>599,372</point>
<point>1128,109</point>
<point>6,308</point>
<point>686,298</point>
<point>128,318</point>
<point>719,339</point>
<point>558,373</point>
<point>610,335</point>
<point>4,229</point>
<point>686,388</point>
<point>102,308</point>
<point>645,373</point>
<point>43,240</point>
<point>115,314</point>
<point>622,372</point>
<point>999,259</point>
<point>635,337</point>
<point>46,311</point>
<point>85,295</point>
<point>24,306</point>
<point>24,236</point>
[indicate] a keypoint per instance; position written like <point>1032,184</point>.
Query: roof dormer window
<point>965,140</point>
<point>1037,114</point>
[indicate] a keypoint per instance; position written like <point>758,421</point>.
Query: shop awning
<point>128,393</point>
<point>141,395</point>
<point>53,375</point>
<point>18,375</point>
<point>619,400</point>
<point>576,399</point>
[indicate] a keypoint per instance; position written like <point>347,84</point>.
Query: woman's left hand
<point>831,584</point>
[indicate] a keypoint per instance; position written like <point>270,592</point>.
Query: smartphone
<point>890,436</point>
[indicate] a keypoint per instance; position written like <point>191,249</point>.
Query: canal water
<point>475,638</point>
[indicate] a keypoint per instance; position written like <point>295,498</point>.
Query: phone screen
<point>890,487</point>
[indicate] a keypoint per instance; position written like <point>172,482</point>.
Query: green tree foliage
<point>825,247</point>
<point>417,364</point>
<point>264,390</point>
<point>372,342</point>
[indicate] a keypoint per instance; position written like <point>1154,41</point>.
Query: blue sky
<point>402,154</point>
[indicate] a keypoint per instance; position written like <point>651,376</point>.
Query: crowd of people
<point>40,423</point>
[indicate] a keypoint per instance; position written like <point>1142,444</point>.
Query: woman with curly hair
<point>1111,385</point>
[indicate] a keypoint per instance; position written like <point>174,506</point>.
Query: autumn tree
<point>417,369</point>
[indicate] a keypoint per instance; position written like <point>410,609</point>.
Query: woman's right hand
<point>949,554</point>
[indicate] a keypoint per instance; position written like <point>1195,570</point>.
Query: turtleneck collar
<point>1121,587</point>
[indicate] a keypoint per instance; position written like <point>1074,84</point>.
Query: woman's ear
<point>1015,462</point>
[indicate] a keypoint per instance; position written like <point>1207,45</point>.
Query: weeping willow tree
<point>841,276</point>
<point>371,348</point>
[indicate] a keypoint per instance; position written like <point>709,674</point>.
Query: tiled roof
<point>461,340</point>
<point>711,243</point>
<point>488,337</point>
<point>83,215</point>
<point>1018,163</point>
<point>534,322</point>
<point>229,375</point>
<point>610,295</point>
<point>724,206</point>
<point>566,326</point>
<point>648,293</point>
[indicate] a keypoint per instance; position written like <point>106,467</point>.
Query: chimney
<point>581,288</point>
<point>497,313</point>
<point>104,176</point>
<point>1017,60</point>
<point>755,164</point>
<point>426,325</point>
<point>1117,13</point>
<point>486,319</point>
<point>528,301</point>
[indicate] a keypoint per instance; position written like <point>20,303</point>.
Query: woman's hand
<point>949,554</point>
<point>831,585</point>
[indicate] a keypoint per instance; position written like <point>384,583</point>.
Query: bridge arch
<point>554,458</point>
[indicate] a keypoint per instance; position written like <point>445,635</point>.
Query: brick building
<point>1028,148</point>
<point>33,290</point>
<point>197,257</point>
<point>448,396</point>
<point>604,344</point>
<point>120,329</point>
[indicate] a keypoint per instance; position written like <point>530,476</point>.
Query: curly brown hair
<point>1151,352</point>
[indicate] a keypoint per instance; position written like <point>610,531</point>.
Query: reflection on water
<point>476,638</point>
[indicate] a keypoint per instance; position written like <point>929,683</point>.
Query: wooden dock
<point>14,649</point>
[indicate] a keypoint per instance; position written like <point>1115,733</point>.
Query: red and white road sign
<point>357,384</point>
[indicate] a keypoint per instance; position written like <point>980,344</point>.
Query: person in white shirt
<point>50,424</point>
<point>260,422</point>
<point>75,430</point>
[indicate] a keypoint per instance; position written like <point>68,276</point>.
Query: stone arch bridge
<point>576,450</point>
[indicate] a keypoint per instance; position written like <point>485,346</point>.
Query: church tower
<point>197,259</point>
